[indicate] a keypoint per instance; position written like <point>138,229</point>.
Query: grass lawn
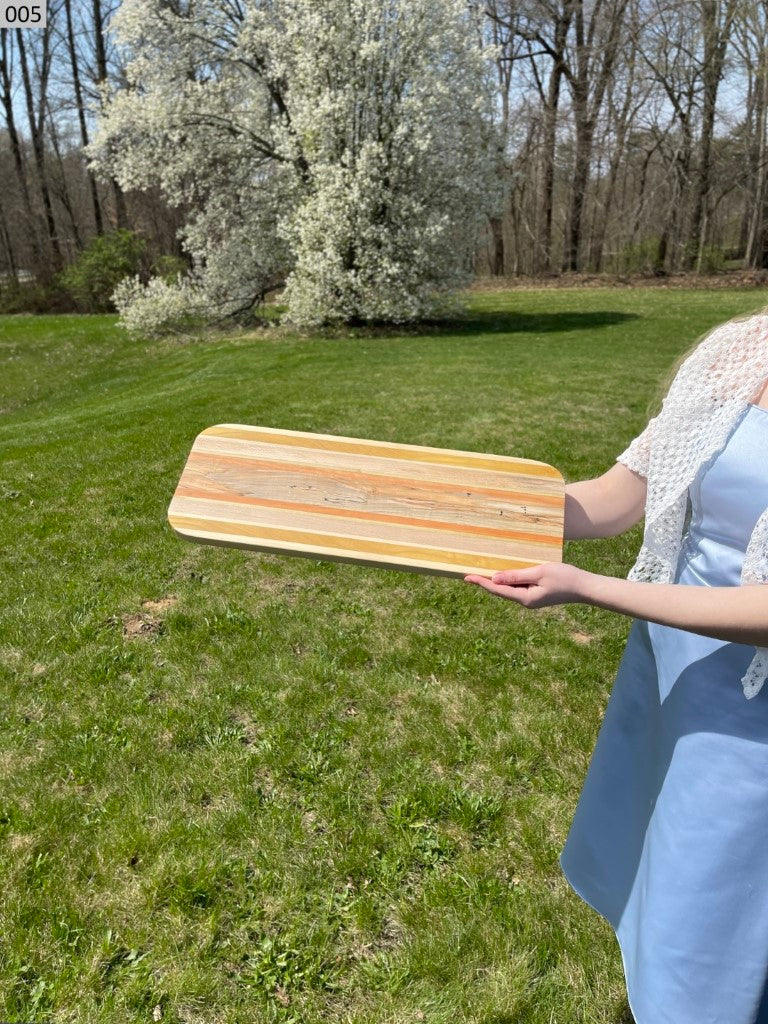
<point>246,788</point>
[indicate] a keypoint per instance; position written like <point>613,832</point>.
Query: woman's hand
<point>736,614</point>
<point>537,586</point>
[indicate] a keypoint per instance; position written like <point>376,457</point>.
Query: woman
<point>669,841</point>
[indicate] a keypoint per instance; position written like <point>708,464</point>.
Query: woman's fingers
<point>508,579</point>
<point>519,594</point>
<point>518,577</point>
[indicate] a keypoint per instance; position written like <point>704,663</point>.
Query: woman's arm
<point>605,506</point>
<point>738,614</point>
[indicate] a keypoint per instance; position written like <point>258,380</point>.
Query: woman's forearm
<point>738,614</point>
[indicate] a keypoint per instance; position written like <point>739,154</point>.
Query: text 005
<point>16,14</point>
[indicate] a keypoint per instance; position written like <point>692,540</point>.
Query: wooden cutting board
<point>397,506</point>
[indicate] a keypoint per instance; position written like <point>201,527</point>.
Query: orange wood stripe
<point>410,453</point>
<point>376,517</point>
<point>517,497</point>
<point>378,533</point>
<point>387,548</point>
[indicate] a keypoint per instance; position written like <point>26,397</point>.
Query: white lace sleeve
<point>755,567</point>
<point>637,456</point>
<point>755,570</point>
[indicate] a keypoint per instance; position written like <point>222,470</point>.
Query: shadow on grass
<point>460,325</point>
<point>532,323</point>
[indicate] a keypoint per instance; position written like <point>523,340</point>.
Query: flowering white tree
<point>339,146</point>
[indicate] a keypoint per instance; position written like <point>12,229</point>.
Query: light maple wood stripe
<point>360,529</point>
<point>359,515</point>
<point>390,450</point>
<point>512,496</point>
<point>391,553</point>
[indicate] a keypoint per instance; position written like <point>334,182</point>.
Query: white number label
<point>16,14</point>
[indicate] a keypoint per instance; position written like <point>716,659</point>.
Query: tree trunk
<point>6,95</point>
<point>102,73</point>
<point>121,209</point>
<point>542,262</point>
<point>715,42</point>
<point>8,246</point>
<point>588,79</point>
<point>60,189</point>
<point>579,184</point>
<point>78,90</point>
<point>623,121</point>
<point>497,246</point>
<point>36,127</point>
<point>756,247</point>
<point>543,259</point>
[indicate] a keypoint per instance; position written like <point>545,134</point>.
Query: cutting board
<point>396,506</point>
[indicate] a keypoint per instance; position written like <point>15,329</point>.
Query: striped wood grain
<point>395,506</point>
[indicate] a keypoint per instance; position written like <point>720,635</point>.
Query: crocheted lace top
<point>710,391</point>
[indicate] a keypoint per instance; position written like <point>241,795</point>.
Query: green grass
<point>245,788</point>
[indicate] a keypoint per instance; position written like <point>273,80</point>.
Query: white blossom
<point>339,146</point>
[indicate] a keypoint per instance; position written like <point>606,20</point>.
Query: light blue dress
<point>669,841</point>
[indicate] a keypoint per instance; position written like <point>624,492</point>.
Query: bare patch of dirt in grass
<point>149,620</point>
<point>457,701</point>
<point>13,762</point>
<point>364,946</point>
<point>251,729</point>
<point>266,586</point>
<point>17,842</point>
<point>311,823</point>
<point>581,638</point>
<point>264,783</point>
<point>34,712</point>
<point>140,625</point>
<point>159,606</point>
<point>10,656</point>
<point>189,1015</point>
<point>392,931</point>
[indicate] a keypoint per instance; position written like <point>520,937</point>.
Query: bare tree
<point>7,79</point>
<point>544,26</point>
<point>501,15</point>
<point>82,113</point>
<point>36,109</point>
<point>625,100</point>
<point>751,44</point>
<point>588,73</point>
<point>717,22</point>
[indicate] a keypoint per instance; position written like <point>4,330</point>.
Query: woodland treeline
<point>635,135</point>
<point>632,137</point>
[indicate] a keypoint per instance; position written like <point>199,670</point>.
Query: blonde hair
<point>654,406</point>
